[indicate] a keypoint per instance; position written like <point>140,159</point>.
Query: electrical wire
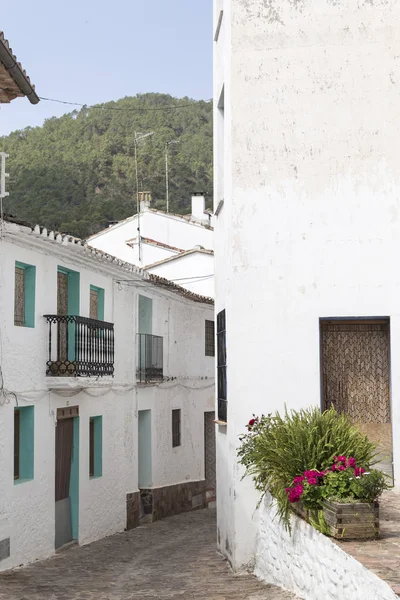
<point>102,107</point>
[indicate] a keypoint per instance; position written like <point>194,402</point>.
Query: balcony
<point>79,347</point>
<point>150,358</point>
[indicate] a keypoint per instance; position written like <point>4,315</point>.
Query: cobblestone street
<point>171,559</point>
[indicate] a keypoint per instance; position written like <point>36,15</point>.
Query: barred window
<point>176,427</point>
<point>210,339</point>
<point>221,366</point>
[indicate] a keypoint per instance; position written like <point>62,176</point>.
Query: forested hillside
<point>77,172</point>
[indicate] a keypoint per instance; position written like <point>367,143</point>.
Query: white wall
<point>309,564</point>
<point>27,510</point>
<point>167,229</point>
<point>310,224</point>
<point>181,323</point>
<point>185,269</point>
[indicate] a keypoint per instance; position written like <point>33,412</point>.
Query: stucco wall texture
<point>307,150</point>
<point>309,564</point>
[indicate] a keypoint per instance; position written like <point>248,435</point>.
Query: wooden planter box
<point>352,521</point>
<point>347,521</point>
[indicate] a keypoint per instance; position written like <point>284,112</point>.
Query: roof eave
<point>16,71</point>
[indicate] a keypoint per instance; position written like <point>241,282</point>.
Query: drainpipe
<point>17,73</point>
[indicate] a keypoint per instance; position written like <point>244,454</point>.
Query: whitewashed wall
<point>309,564</point>
<point>27,509</point>
<point>310,223</point>
<point>166,228</point>
<point>191,388</point>
<point>192,266</point>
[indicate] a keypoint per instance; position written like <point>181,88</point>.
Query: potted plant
<point>341,501</point>
<point>318,465</point>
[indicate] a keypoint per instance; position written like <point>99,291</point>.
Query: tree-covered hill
<point>77,172</point>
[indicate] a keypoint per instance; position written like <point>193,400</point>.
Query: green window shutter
<point>25,438</point>
<point>95,447</point>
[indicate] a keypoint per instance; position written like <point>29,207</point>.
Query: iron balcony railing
<point>150,357</point>
<point>79,346</point>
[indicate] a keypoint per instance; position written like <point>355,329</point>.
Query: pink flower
<point>312,481</point>
<point>251,422</point>
<point>358,471</point>
<point>312,473</point>
<point>341,459</point>
<point>351,462</point>
<point>333,468</point>
<point>341,468</point>
<point>298,479</point>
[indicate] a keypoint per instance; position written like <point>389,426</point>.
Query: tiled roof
<point>198,250</point>
<point>146,240</point>
<point>14,82</point>
<point>66,239</point>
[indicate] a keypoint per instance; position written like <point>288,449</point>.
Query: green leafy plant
<point>369,486</point>
<point>276,449</point>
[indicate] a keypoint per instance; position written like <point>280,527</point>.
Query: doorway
<point>144,449</point>
<point>355,369</point>
<point>209,450</point>
<point>66,476</point>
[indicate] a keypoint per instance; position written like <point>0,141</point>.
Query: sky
<point>92,51</point>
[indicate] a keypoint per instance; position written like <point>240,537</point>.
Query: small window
<point>210,340</point>
<point>23,444</point>
<point>24,295</point>
<point>95,447</point>
<point>176,427</point>
<point>221,366</point>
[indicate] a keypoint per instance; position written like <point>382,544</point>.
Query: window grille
<point>221,366</point>
<point>176,427</point>
<point>210,339</point>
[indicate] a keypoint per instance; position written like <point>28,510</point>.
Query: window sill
<point>95,477</point>
<point>222,423</point>
<point>22,480</point>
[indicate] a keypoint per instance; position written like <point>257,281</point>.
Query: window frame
<point>95,447</point>
<point>24,444</point>
<point>176,427</point>
<point>100,302</point>
<point>222,393</point>
<point>17,448</point>
<point>29,294</point>
<point>209,329</point>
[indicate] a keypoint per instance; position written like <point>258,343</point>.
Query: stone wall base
<point>132,510</point>
<point>159,503</point>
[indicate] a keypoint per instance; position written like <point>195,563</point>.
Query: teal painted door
<point>144,439</point>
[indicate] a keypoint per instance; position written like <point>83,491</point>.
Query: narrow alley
<point>173,558</point>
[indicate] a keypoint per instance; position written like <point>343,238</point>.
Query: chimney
<point>198,208</point>
<point>144,200</point>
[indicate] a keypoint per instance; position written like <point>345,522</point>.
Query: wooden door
<point>94,304</point>
<point>62,309</point>
<point>64,445</point>
<point>356,378</point>
<point>209,449</point>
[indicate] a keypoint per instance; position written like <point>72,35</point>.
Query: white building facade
<point>176,247</point>
<point>307,185</point>
<point>99,425</point>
